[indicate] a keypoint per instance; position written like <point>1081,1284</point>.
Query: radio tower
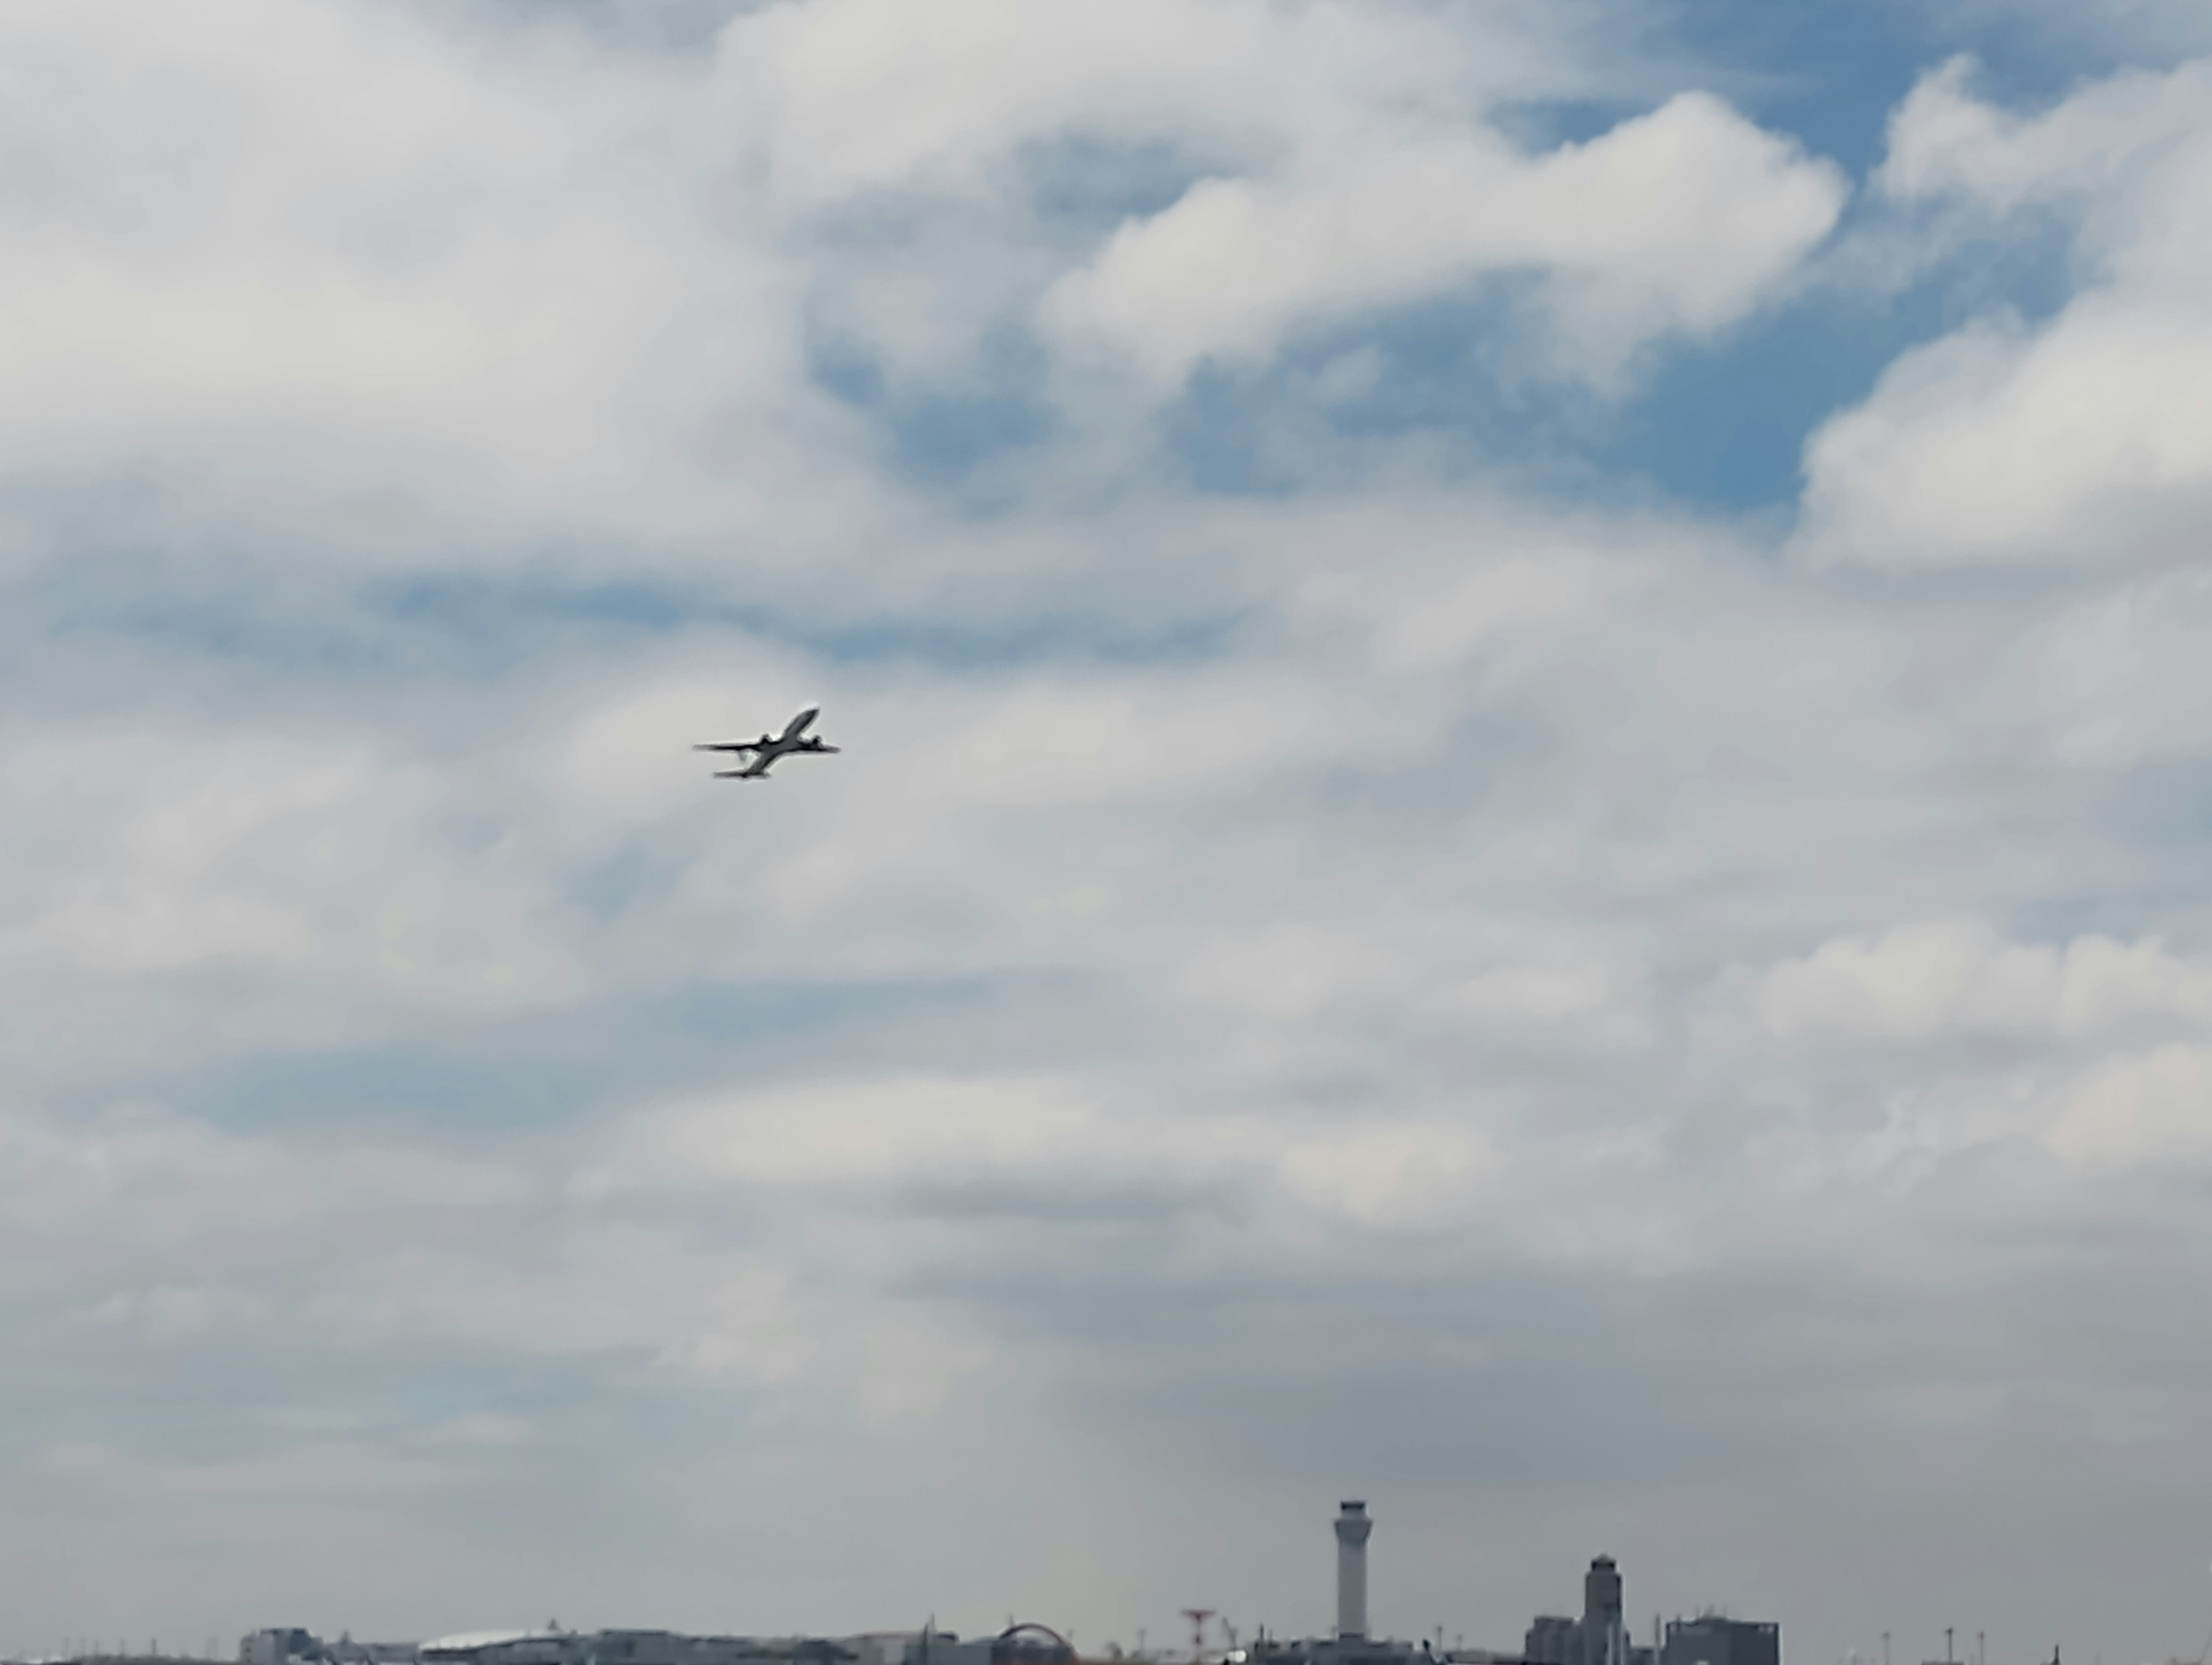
<point>1198,1616</point>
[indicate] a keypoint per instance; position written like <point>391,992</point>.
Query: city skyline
<point>1602,1634</point>
<point>1598,1636</point>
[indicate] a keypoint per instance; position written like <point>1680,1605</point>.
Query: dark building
<point>1605,1640</point>
<point>1600,1636</point>
<point>1552,1640</point>
<point>1715,1641</point>
<point>1601,1592</point>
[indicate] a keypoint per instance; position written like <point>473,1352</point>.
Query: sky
<point>1523,827</point>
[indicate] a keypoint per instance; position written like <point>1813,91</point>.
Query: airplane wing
<point>730,745</point>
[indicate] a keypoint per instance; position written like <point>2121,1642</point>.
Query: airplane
<point>769,747</point>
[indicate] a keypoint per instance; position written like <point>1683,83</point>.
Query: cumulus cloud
<point>499,294</point>
<point>446,298</point>
<point>1945,142</point>
<point>2113,679</point>
<point>2080,440</point>
<point>858,1134</point>
<point>1681,220</point>
<point>2133,1109</point>
<point>206,889</point>
<point>1958,976</point>
<point>1427,976</point>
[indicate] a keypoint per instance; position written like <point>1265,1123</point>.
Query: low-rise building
<point>1713,1640</point>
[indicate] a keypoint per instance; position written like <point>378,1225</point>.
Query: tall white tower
<point>1352,1527</point>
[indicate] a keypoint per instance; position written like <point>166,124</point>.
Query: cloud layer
<point>1358,937</point>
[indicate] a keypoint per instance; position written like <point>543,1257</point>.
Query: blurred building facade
<point>1712,1640</point>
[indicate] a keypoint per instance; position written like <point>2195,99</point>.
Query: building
<point>347,1651</point>
<point>1351,1643</point>
<point>290,1645</point>
<point>1600,1636</point>
<point>881,1647</point>
<point>1353,1529</point>
<point>934,1647</point>
<point>545,1647</point>
<point>555,1646</point>
<point>1552,1640</point>
<point>1017,1644</point>
<point>1712,1640</point>
<point>1605,1632</point>
<point>641,1646</point>
<point>280,1646</point>
<point>674,1648</point>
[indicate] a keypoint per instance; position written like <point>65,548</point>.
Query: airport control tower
<point>1352,1527</point>
<point>1605,1632</point>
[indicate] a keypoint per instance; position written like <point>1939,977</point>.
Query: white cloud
<point>1951,977</point>
<point>1388,1178</point>
<point>1944,141</point>
<point>857,1133</point>
<point>163,852</point>
<point>324,1470</point>
<point>1404,943</point>
<point>2155,1105</point>
<point>2086,440</point>
<point>497,293</point>
<point>1476,589</point>
<point>1286,971</point>
<point>2117,679</point>
<point>345,271</point>
<point>1682,219</point>
<point>870,95</point>
<point>1538,994</point>
<point>175,1179</point>
<point>604,1286</point>
<point>169,1313</point>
